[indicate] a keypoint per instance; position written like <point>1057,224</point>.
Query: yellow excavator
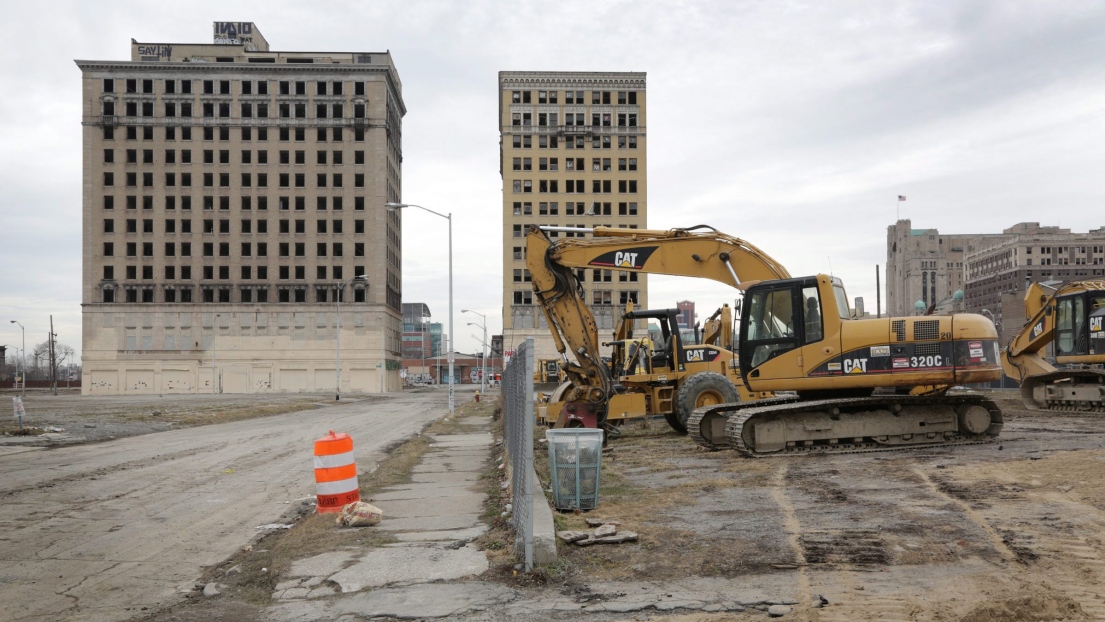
<point>796,335</point>
<point>1073,317</point>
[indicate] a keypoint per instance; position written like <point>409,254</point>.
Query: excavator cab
<point>643,356</point>
<point>1078,325</point>
<point>780,316</point>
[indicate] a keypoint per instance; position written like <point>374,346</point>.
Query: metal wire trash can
<point>575,465</point>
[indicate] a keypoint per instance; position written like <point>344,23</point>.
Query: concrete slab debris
<point>625,536</point>
<point>606,530</point>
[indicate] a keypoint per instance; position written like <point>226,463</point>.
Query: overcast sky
<point>793,125</point>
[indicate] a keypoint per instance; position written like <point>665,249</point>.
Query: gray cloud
<point>793,125</point>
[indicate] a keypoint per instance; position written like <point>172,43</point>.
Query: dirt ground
<point>1013,530</point>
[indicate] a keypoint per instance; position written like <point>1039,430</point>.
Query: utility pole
<point>53,365</point>
<point>878,293</point>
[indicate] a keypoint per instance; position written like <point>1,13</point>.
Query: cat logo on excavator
<point>632,258</point>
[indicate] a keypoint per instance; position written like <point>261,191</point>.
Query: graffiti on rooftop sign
<point>155,52</point>
<point>234,33</point>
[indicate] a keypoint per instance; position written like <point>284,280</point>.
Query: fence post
<point>518,423</point>
<point>528,474</point>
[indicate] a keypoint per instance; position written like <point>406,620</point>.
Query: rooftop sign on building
<point>240,33</point>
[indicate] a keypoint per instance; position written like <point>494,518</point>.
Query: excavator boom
<point>698,251</point>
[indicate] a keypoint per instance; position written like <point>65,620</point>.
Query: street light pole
<point>452,339</point>
<point>23,356</point>
<point>483,350</point>
<point>337,333</point>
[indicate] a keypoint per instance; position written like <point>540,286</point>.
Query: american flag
<point>901,197</point>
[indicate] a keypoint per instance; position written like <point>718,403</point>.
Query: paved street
<point>102,531</point>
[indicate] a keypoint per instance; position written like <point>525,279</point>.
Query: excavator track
<point>1066,390</point>
<point>852,425</point>
<point>706,425</point>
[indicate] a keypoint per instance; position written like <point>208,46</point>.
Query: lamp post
<point>360,278</point>
<point>483,351</point>
<point>452,340</point>
<point>23,356</point>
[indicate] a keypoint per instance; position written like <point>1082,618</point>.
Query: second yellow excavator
<point>796,335</point>
<point>1073,317</point>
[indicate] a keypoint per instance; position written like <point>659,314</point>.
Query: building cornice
<point>563,79</point>
<point>388,71</point>
<point>257,67</point>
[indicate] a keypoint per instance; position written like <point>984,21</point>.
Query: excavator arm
<point>699,252</point>
<point>718,330</point>
<point>571,323</point>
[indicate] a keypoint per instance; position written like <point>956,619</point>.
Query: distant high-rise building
<point>997,272</point>
<point>923,265</point>
<point>437,341</point>
<point>991,269</point>
<point>573,154</point>
<point>416,331</point>
<point>685,319</point>
<point>231,196</point>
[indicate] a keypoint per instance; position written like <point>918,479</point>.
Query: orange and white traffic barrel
<point>335,472</point>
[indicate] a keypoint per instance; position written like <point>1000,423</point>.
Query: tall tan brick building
<point>924,265</point>
<point>991,269</point>
<point>573,154</point>
<point>231,195</point>
<point>997,272</point>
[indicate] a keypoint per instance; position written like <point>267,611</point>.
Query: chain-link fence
<point>518,421</point>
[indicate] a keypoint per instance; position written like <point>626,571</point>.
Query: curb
<point>544,532</point>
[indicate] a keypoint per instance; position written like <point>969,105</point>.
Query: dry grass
<point>14,430</point>
<point>647,471</point>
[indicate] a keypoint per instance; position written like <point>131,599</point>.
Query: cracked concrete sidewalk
<point>435,517</point>
<point>480,600</point>
<point>430,572</point>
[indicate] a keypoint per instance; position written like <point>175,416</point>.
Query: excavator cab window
<point>1070,327</point>
<point>841,300</point>
<point>770,330</point>
<point>812,304</point>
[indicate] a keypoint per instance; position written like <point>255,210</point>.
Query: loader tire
<point>702,389</point>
